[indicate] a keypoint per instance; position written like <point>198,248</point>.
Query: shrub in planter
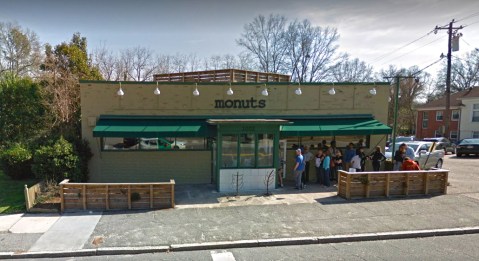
<point>16,161</point>
<point>57,162</point>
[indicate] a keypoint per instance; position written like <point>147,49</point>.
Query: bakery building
<point>224,127</point>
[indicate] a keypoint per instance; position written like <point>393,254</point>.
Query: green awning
<point>331,127</point>
<point>149,128</point>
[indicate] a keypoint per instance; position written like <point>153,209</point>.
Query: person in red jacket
<point>409,164</point>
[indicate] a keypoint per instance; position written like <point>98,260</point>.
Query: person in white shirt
<point>356,161</point>
<point>308,156</point>
<point>317,162</point>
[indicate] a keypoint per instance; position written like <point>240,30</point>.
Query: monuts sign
<point>240,104</point>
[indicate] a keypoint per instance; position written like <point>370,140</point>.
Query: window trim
<point>256,164</point>
<point>442,115</point>
<point>475,110</point>
<point>425,119</point>
<point>458,115</point>
<point>456,134</point>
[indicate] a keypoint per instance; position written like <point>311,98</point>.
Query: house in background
<point>464,116</point>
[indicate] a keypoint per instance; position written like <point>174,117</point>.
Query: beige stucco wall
<point>467,126</point>
<point>99,98</point>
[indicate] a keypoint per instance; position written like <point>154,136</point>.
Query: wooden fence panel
<point>391,183</point>
<point>31,195</point>
<point>105,196</point>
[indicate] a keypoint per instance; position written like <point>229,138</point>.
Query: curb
<point>246,243</point>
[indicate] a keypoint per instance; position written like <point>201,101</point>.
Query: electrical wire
<point>464,26</point>
<point>462,39</point>
<point>388,61</point>
<point>402,47</point>
<point>418,72</point>
<point>467,17</point>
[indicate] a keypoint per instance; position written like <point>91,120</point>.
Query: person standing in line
<point>348,155</point>
<point>324,145</point>
<point>409,151</point>
<point>308,156</point>
<point>399,157</point>
<point>318,164</point>
<point>338,162</point>
<point>356,161</point>
<point>326,168</point>
<point>360,144</point>
<point>377,156</point>
<point>298,169</point>
<point>363,158</point>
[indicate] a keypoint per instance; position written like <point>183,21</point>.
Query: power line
<point>466,42</point>
<point>471,23</point>
<point>467,17</point>
<point>388,61</point>
<point>402,47</point>
<point>418,72</point>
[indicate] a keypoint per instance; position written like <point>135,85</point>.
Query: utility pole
<point>447,113</point>
<point>396,105</point>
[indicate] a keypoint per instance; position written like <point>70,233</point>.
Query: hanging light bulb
<point>230,91</point>
<point>157,90</point>
<point>372,91</point>
<point>265,91</point>
<point>196,92</point>
<point>120,91</point>
<point>332,91</point>
<point>298,91</point>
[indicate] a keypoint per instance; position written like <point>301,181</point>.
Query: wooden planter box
<point>392,183</point>
<point>117,196</point>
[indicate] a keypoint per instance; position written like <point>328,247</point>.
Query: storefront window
<point>314,141</point>
<point>229,149</point>
<point>265,150</point>
<point>120,144</point>
<point>154,143</point>
<point>247,155</point>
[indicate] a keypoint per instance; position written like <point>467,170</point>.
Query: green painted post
<point>396,101</point>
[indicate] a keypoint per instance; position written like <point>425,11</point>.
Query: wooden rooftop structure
<point>226,75</point>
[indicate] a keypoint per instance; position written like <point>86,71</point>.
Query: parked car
<point>467,146</point>
<point>401,139</point>
<point>443,143</point>
<point>423,156</point>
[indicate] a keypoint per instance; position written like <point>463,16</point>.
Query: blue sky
<point>369,29</point>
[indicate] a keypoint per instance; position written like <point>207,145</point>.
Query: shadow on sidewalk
<point>338,200</point>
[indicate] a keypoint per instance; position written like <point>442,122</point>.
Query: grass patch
<point>12,198</point>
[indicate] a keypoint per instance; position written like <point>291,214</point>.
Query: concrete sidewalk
<point>287,218</point>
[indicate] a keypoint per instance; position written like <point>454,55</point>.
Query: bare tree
<point>139,63</point>
<point>347,70</point>
<point>179,63</point>
<point>215,62</point>
<point>107,63</point>
<point>193,62</point>
<point>464,73</point>
<point>264,38</point>
<point>246,62</point>
<point>164,64</point>
<point>229,61</point>
<point>19,50</point>
<point>411,92</point>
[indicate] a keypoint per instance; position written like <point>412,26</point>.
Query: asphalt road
<point>463,175</point>
<point>432,248</point>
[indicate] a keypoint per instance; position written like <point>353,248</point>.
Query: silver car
<point>423,155</point>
